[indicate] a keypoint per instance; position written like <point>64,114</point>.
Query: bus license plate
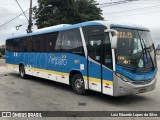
<point>142,90</point>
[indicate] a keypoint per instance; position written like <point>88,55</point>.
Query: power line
<point>13,18</point>
<point>145,3</point>
<point>148,0</point>
<point>134,14</point>
<point>22,9</point>
<point>121,12</point>
<point>6,28</point>
<point>144,8</point>
<point>23,12</point>
<point>127,1</point>
<point>117,3</point>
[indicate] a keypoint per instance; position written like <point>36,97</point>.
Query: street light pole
<point>49,6</point>
<point>29,30</point>
<point>30,24</point>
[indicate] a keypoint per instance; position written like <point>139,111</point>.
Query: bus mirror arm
<point>114,42</point>
<point>114,38</point>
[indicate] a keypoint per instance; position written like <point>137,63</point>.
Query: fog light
<point>123,90</point>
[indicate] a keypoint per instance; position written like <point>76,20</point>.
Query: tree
<point>2,51</point>
<point>66,12</point>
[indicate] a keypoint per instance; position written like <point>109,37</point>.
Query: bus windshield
<point>135,49</point>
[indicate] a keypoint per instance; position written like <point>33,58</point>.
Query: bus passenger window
<point>9,45</point>
<point>94,47</point>
<point>39,43</point>
<point>71,41</point>
<point>27,44</point>
<point>51,42</point>
<point>58,41</point>
<point>17,45</point>
<point>107,54</point>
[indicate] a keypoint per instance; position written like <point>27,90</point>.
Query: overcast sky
<point>142,12</point>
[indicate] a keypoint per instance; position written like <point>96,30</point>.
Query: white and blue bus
<point>114,59</point>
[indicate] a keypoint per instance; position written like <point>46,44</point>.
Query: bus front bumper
<point>121,88</point>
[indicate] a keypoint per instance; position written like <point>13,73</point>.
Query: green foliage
<point>2,51</point>
<point>66,12</point>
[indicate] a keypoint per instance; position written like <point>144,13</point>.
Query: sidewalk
<point>3,70</point>
<point>2,62</point>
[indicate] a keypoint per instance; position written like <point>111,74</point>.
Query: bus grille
<point>142,82</point>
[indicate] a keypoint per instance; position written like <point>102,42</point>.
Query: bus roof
<point>100,22</point>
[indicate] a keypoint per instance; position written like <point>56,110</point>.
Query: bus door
<point>100,63</point>
<point>95,62</point>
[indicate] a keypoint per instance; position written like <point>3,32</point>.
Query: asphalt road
<point>36,94</point>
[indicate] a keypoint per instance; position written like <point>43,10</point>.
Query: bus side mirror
<point>114,38</point>
<point>114,42</point>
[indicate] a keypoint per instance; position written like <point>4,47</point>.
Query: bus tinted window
<point>27,44</point>
<point>71,41</point>
<point>94,47</point>
<point>51,41</point>
<point>58,42</point>
<point>17,45</point>
<point>39,43</point>
<point>92,30</point>
<point>9,45</point>
<point>107,53</point>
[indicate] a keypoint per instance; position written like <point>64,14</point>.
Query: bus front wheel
<point>78,84</point>
<point>22,72</point>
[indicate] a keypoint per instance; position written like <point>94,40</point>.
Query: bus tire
<point>78,84</point>
<point>22,71</point>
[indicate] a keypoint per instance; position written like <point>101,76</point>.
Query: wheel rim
<point>79,84</point>
<point>22,71</point>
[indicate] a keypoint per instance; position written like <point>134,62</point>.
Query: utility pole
<point>29,30</point>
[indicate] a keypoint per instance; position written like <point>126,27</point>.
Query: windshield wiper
<point>147,51</point>
<point>145,55</point>
<point>138,59</point>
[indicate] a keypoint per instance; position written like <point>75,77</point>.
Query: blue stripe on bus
<point>59,62</point>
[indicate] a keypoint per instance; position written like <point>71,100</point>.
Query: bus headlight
<point>125,79</point>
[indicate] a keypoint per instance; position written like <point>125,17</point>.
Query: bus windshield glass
<point>135,49</point>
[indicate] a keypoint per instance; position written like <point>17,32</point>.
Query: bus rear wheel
<point>22,71</point>
<point>78,84</point>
